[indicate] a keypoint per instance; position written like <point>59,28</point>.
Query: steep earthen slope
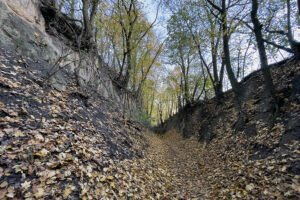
<point>49,138</point>
<point>242,157</point>
<point>24,30</point>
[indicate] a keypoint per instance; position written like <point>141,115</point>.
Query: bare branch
<point>278,46</point>
<point>214,6</point>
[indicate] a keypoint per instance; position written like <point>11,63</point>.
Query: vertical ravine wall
<point>22,29</point>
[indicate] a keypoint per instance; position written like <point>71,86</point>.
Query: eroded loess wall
<point>214,119</point>
<point>22,29</point>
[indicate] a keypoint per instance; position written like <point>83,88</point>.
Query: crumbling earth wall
<point>213,119</point>
<point>22,29</point>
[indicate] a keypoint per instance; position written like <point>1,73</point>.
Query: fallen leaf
<point>3,184</point>
<point>112,184</point>
<point>103,179</point>
<point>37,36</point>
<point>26,185</point>
<point>11,192</point>
<point>39,137</point>
<point>250,187</point>
<point>42,153</point>
<point>67,192</point>
<point>24,111</point>
<point>40,193</point>
<point>21,61</point>
<point>18,133</point>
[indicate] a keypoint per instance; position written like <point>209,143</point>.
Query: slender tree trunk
<point>73,9</point>
<point>294,44</point>
<point>61,4</point>
<point>244,59</point>
<point>86,19</point>
<point>234,83</point>
<point>262,51</point>
<point>216,82</point>
<point>152,103</point>
<point>184,79</point>
<point>89,13</point>
<point>179,102</point>
<point>129,65</point>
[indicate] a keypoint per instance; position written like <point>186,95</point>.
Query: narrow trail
<point>181,160</point>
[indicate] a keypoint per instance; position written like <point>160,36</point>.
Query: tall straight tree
<point>193,20</point>
<point>225,31</point>
<point>261,50</point>
<point>260,45</point>
<point>129,18</point>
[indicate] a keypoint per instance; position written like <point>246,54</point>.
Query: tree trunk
<point>88,20</point>
<point>129,65</point>
<point>216,81</point>
<point>261,50</point>
<point>234,83</point>
<point>184,81</point>
<point>61,4</point>
<point>214,62</point>
<point>294,44</point>
<point>152,103</point>
<point>73,9</point>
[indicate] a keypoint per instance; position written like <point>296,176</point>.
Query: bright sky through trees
<point>172,53</point>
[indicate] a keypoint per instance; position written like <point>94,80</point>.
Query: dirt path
<point>180,158</point>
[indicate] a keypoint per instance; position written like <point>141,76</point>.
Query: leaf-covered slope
<point>241,156</point>
<point>54,144</point>
<point>67,145</point>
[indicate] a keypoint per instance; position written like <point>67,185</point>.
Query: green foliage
<point>145,119</point>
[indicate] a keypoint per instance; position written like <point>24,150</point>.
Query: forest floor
<point>178,168</point>
<point>180,158</point>
<point>65,145</point>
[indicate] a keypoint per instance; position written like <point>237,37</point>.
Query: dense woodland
<point>191,50</point>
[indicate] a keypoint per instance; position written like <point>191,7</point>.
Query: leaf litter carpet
<point>178,161</point>
<point>64,145</point>
<point>67,145</point>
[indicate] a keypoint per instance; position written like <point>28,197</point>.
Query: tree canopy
<point>208,46</point>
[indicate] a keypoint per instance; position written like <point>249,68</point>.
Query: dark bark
<point>234,83</point>
<point>72,9</point>
<point>294,44</point>
<point>129,64</point>
<point>262,51</point>
<point>278,46</point>
<point>88,19</point>
<point>61,4</point>
<point>152,104</point>
<point>214,60</point>
<point>184,76</point>
<point>59,24</point>
<point>223,11</point>
<point>217,85</point>
<point>216,81</point>
<point>132,15</point>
